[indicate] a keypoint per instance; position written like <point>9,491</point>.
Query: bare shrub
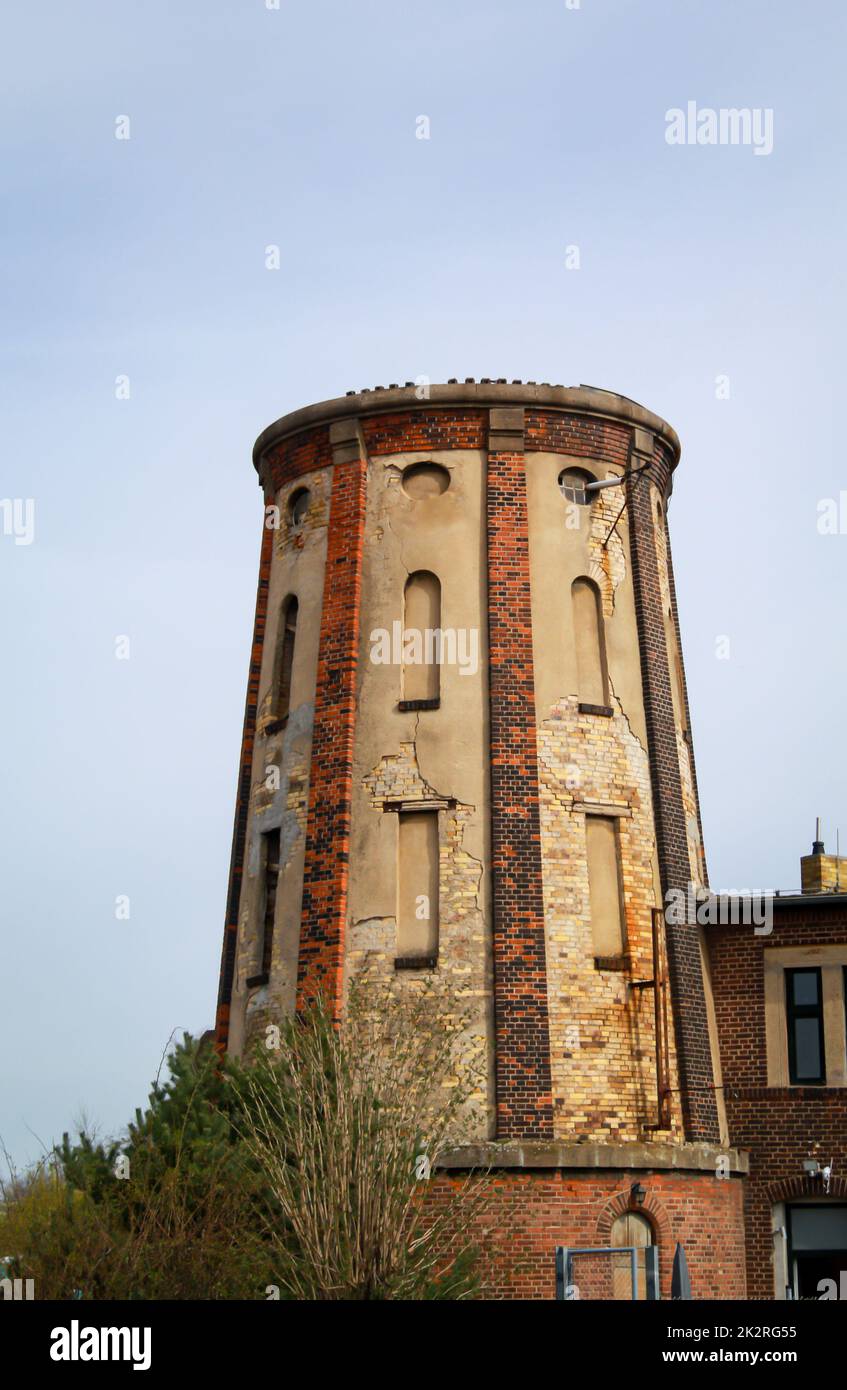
<point>345,1122</point>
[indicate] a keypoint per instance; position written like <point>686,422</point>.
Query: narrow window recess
<point>271,867</point>
<point>605,890</point>
<point>590,644</point>
<point>283,665</point>
<point>418,873</point>
<point>421,675</point>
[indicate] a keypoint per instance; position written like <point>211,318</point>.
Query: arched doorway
<point>630,1230</point>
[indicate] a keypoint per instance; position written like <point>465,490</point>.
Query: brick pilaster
<point>327,856</point>
<point>522,1061</point>
<point>696,1078</point>
<point>691,758</point>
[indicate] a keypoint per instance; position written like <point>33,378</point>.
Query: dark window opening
<point>817,1248</point>
<point>299,505</point>
<point>272,867</point>
<point>284,663</point>
<point>804,1008</point>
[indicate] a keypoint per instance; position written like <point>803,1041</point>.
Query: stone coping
<point>689,1158</point>
<point>575,400</point>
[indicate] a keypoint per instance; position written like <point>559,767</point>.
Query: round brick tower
<point>467,753</point>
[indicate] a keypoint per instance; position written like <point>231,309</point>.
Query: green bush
<point>168,1212</point>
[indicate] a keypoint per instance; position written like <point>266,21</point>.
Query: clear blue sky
<point>399,256</point>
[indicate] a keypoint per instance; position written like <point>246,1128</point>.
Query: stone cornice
<point>575,400</point>
<point>685,1158</point>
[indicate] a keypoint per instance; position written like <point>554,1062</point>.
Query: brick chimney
<point>821,872</point>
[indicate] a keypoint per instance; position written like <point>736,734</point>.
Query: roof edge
<point>577,400</point>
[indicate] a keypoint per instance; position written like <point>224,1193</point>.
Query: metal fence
<point>607,1273</point>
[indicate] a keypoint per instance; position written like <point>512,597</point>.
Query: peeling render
<point>601,1030</point>
<point>298,568</point>
<point>462,929</point>
<point>437,758</point>
<point>602,1035</point>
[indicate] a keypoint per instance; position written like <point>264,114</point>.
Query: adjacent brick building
<point>787,1103</point>
<point>501,804</point>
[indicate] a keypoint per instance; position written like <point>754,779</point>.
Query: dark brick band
<point>523,1082</point>
<point>675,612</point>
<point>556,433</point>
<point>694,1054</point>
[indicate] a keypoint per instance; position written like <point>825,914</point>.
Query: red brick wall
<point>778,1125</point>
<point>440,428</point>
<point>290,459</point>
<point>523,1084</point>
<point>528,1215</point>
<point>327,856</point>
<point>557,433</point>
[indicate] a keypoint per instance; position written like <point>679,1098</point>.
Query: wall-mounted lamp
<point>637,1193</point>
<point>813,1169</point>
<point>597,486</point>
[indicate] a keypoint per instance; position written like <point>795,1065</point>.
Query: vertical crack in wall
<point>462,960</point>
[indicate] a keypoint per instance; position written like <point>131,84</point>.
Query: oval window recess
<point>572,482</point>
<point>299,505</point>
<point>425,480</point>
